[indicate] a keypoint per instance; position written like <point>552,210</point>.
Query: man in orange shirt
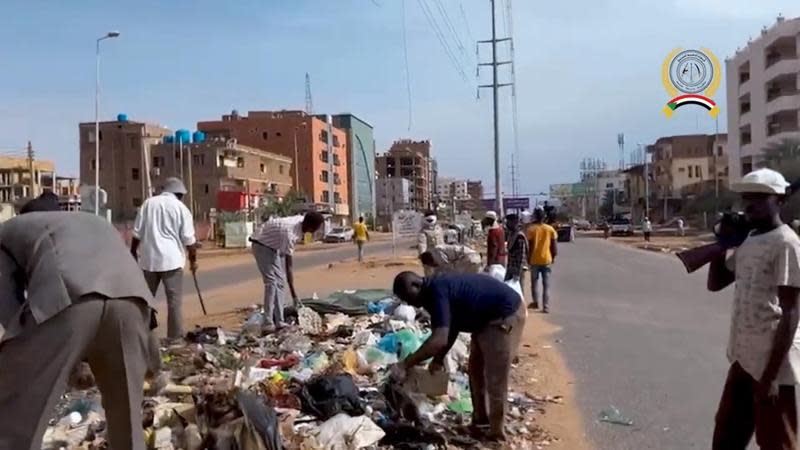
<point>360,236</point>
<point>542,251</point>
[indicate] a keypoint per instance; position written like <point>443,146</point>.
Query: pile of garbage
<point>321,383</point>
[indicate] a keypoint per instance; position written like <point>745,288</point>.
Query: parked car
<point>339,235</point>
<point>621,227</point>
<point>582,224</point>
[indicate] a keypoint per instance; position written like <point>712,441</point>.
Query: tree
<point>784,157</point>
<point>290,204</point>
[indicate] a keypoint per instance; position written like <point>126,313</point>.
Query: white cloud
<point>739,9</point>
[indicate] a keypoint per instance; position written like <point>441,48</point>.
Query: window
<point>265,135</point>
<point>337,198</point>
<point>135,173</point>
<point>697,172</point>
<point>240,162</point>
<point>324,176</point>
<point>273,188</point>
<point>324,156</point>
<point>278,134</point>
<point>137,202</point>
<point>199,160</point>
<point>280,169</point>
<point>323,136</point>
<point>690,171</point>
<point>93,164</point>
<point>682,169</point>
<point>205,188</point>
<point>158,161</point>
<point>134,141</point>
<point>335,141</point>
<point>325,197</point>
<point>101,135</point>
<point>263,168</point>
<point>719,151</point>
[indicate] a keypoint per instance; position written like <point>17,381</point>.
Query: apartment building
<point>224,175</point>
<point>411,160</point>
<point>686,165</point>
<point>124,145</point>
<point>444,189</point>
<point>360,143</point>
<point>15,178</point>
<point>762,93</point>
<point>304,139</point>
<point>393,194</point>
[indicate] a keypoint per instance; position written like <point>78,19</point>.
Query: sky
<point>585,70</point>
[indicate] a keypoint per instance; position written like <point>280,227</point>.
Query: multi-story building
<point>763,95</point>
<point>411,160</point>
<point>322,182</point>
<point>444,189</point>
<point>124,146</point>
<point>360,143</point>
<point>15,178</point>
<point>224,175</point>
<point>392,194</point>
<point>684,166</point>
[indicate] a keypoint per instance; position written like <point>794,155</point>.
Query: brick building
<point>124,145</point>
<point>219,165</point>
<point>411,160</point>
<point>277,132</point>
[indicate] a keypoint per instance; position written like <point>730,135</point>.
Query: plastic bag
<point>497,271</point>
<point>342,432</point>
<point>406,313</point>
<point>328,395</point>
<point>402,343</point>
<point>261,423</point>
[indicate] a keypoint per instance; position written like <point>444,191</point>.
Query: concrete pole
<point>497,189</point>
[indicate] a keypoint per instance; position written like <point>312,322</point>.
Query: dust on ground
<point>541,373</point>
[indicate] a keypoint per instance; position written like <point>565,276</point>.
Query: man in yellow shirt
<point>542,253</point>
<point>360,236</point>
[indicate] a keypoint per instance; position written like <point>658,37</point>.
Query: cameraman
<point>759,394</point>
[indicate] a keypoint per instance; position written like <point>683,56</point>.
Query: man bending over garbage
<point>69,291</point>
<point>470,303</point>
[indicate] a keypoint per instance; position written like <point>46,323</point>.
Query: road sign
<point>508,203</point>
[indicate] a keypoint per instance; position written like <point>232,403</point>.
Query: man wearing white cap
<point>162,235</point>
<point>764,350</point>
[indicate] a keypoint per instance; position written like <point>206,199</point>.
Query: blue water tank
<point>198,136</point>
<point>169,139</point>
<point>183,136</point>
<point>122,117</point>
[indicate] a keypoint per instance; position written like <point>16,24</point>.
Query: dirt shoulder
<point>541,372</point>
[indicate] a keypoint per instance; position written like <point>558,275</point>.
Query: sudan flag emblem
<point>691,77</point>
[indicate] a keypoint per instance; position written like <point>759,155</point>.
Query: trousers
<point>544,273</point>
<point>360,245</point>
<point>35,365</point>
<point>740,415</point>
<point>173,288</point>
<point>272,272</point>
<point>491,352</point>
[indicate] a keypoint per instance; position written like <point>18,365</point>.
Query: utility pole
<point>495,104</point>
<point>32,171</point>
<point>646,182</point>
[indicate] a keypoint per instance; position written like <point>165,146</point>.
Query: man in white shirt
<point>162,235</point>
<point>764,349</point>
<point>681,227</point>
<point>273,248</point>
<point>647,228</point>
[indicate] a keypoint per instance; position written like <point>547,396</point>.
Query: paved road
<point>247,270</point>
<point>641,334</point>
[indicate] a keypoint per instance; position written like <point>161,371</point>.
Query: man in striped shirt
<point>273,243</point>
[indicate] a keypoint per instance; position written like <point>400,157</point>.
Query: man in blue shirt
<point>469,303</point>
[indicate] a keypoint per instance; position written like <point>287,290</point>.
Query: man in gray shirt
<point>69,291</point>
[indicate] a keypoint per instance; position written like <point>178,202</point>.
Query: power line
<point>408,70</point>
<point>453,32</point>
<point>438,32</point>
<point>466,22</point>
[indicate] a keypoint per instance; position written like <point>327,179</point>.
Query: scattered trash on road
<point>614,416</point>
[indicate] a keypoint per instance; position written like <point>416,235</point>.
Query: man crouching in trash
<point>471,303</point>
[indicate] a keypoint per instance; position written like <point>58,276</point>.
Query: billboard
<point>406,223</point>
<point>508,203</point>
<point>561,190</point>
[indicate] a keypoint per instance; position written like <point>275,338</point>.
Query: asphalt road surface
<point>247,270</point>
<point>642,335</point>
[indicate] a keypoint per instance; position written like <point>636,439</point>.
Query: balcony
<point>781,67</point>
<point>782,122</point>
<point>785,102</point>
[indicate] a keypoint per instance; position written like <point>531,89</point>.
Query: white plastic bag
<point>497,271</point>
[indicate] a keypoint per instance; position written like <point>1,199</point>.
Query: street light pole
<point>109,35</point>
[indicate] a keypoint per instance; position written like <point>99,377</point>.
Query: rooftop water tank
<point>183,136</point>
<point>169,139</point>
<point>198,137</point>
<point>122,117</point>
